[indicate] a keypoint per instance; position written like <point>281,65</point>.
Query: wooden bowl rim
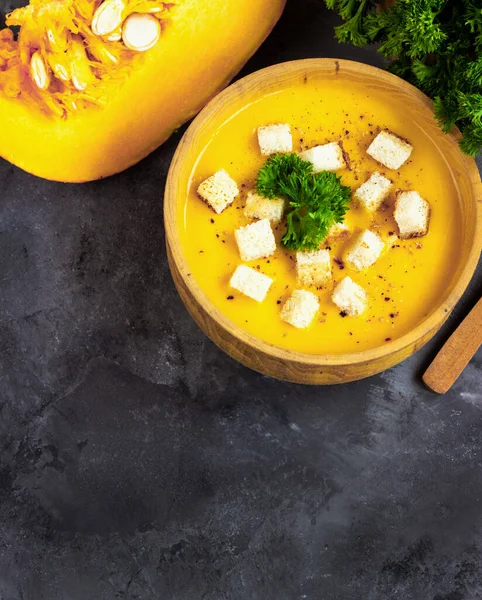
<point>433,321</point>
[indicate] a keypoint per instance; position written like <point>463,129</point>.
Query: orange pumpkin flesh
<point>70,134</point>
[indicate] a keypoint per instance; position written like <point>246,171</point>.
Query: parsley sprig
<point>434,44</point>
<point>316,201</point>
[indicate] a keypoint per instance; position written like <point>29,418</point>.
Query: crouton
<point>255,240</point>
<point>313,268</point>
<point>373,192</point>
<point>258,207</point>
<point>275,138</point>
<point>328,157</point>
<point>338,230</point>
<point>350,298</point>
<point>218,191</point>
<point>251,283</point>
<point>300,309</point>
<point>390,150</point>
<point>365,251</point>
<point>412,214</point>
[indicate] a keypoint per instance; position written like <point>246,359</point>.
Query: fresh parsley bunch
<point>316,201</point>
<point>434,44</point>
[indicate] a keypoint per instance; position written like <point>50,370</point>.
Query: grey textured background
<point>139,462</point>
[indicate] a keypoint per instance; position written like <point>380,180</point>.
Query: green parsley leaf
<point>316,201</point>
<point>434,44</point>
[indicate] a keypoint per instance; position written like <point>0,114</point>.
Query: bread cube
<point>218,191</point>
<point>251,283</point>
<point>374,191</point>
<point>275,138</point>
<point>337,230</point>
<point>390,150</point>
<point>328,157</point>
<point>255,240</point>
<point>258,207</point>
<point>412,214</point>
<point>350,297</point>
<point>365,251</point>
<point>300,309</point>
<point>313,268</point>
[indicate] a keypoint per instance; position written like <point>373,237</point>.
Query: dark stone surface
<point>139,462</point>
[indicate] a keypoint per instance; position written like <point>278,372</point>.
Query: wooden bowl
<point>295,366</point>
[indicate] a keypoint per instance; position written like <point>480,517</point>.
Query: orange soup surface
<point>406,281</point>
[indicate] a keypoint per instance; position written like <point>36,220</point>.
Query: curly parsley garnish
<point>436,45</point>
<point>316,201</point>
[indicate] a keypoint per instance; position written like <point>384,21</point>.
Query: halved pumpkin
<point>79,102</point>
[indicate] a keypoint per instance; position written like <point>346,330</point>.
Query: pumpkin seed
<point>38,71</point>
<point>115,36</point>
<point>59,65</point>
<point>80,71</point>
<point>141,32</point>
<point>99,50</point>
<point>60,72</point>
<point>58,38</point>
<point>108,17</point>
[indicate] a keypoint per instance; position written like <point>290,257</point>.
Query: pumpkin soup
<point>393,289</point>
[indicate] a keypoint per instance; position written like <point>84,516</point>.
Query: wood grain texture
<point>296,366</point>
<point>456,353</point>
